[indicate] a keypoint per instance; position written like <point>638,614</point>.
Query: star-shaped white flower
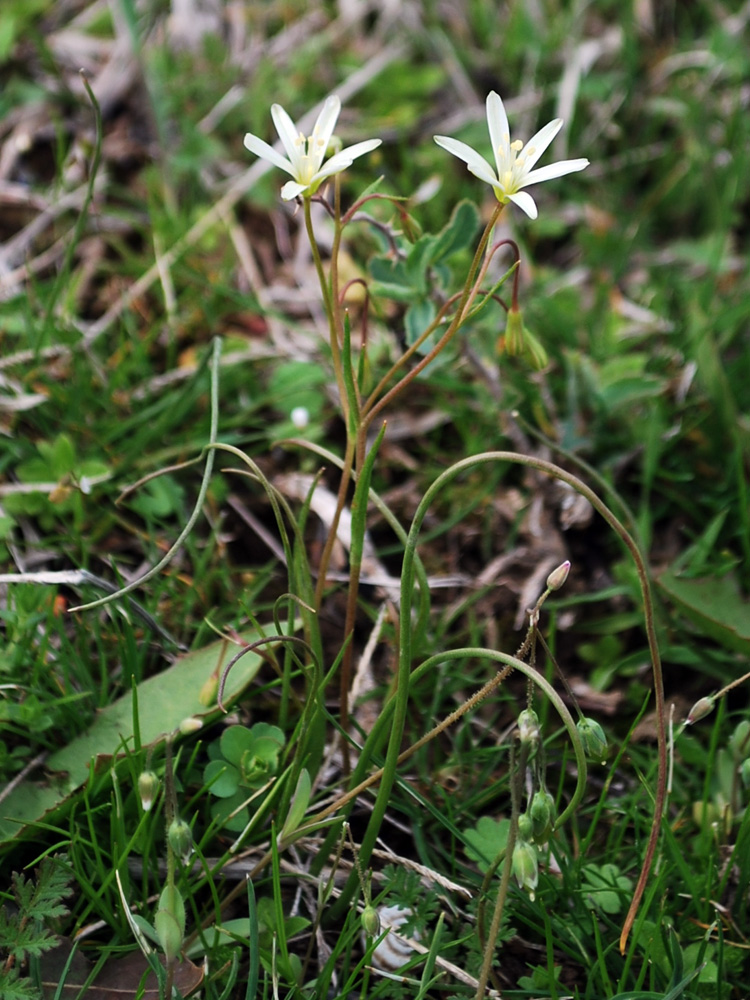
<point>514,161</point>
<point>305,155</point>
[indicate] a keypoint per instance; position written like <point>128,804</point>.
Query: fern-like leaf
<point>42,899</point>
<point>15,987</point>
<point>23,934</point>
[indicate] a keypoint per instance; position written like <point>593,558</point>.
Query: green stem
<point>497,913</point>
<point>80,223</point>
<point>373,405</point>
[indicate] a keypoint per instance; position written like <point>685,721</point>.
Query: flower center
<point>514,163</point>
<point>310,153</point>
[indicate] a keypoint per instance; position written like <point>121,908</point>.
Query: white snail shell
<point>392,952</point>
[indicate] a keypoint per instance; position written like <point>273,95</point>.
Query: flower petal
<point>558,169</point>
<point>538,143</point>
<point>346,157</point>
<point>326,122</point>
<point>288,133</point>
<point>525,202</point>
<point>476,163</point>
<point>291,189</point>
<point>266,152</point>
<point>497,123</point>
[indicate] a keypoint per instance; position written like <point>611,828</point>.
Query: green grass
<point>634,281</point>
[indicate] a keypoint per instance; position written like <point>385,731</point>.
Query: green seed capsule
<point>526,866</point>
<point>542,813</point>
<point>180,839</point>
<point>593,738</point>
<point>525,827</point>
<point>370,921</point>
<point>169,922</point>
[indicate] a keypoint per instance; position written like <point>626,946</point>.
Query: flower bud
<point>180,839</point>
<point>745,772</point>
<point>558,576</point>
<point>370,921</point>
<point>190,725</point>
<point>528,728</point>
<point>702,708</point>
<point>526,866</point>
<point>169,922</point>
<point>542,813</point>
<point>148,788</point>
<point>593,738</point>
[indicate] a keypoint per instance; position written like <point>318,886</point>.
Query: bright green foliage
<point>486,840</point>
<point>243,761</point>
<point>634,282</point>
<point>423,275</point>
<point>68,480</point>
<point>605,888</point>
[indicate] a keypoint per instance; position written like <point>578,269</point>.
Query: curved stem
<point>208,471</point>
<point>510,663</point>
<point>405,651</point>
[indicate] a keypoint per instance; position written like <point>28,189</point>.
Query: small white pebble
<point>300,417</point>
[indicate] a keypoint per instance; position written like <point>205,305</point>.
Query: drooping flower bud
<point>526,866</point>
<point>528,729</point>
<point>148,787</point>
<point>169,922</point>
<point>190,725</point>
<point>180,839</point>
<point>558,576</point>
<point>702,708</point>
<point>593,738</point>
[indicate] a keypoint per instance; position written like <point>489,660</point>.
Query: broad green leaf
<point>486,840</point>
<point>459,233</point>
<point>714,605</point>
<point>417,263</point>
<point>164,701</point>
<point>418,317</point>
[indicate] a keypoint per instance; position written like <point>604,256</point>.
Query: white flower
<point>306,155</point>
<point>514,160</point>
